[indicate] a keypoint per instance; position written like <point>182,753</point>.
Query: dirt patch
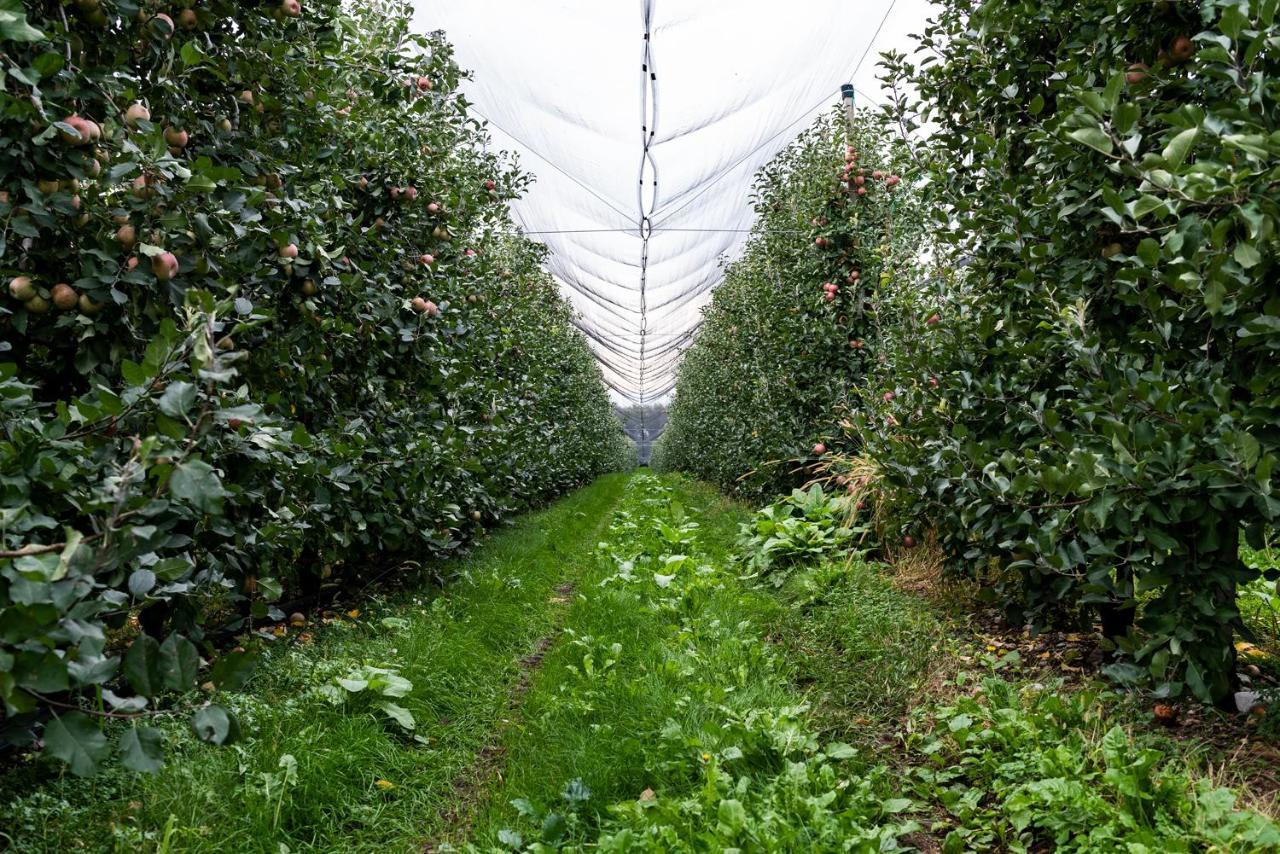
<point>471,786</point>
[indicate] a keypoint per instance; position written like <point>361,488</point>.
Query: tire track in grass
<point>632,650</point>
<point>354,783</point>
<point>471,787</point>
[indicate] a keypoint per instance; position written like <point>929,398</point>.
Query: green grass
<point>460,648</point>
<point>1260,601</point>
<point>675,704</point>
<point>638,660</point>
<point>865,649</point>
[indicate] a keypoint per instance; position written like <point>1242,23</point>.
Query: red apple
<point>164,266</point>
<point>176,138</point>
<point>889,396</point>
<point>136,112</point>
<point>21,288</point>
<point>490,185</point>
<point>1181,49</point>
<point>427,258</point>
<point>819,449</point>
<point>83,127</point>
<point>292,8</point>
<point>289,250</point>
<point>909,541</point>
<point>64,296</point>
<point>933,319</point>
<point>424,84</point>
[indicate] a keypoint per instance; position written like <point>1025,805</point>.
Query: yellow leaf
<point>385,784</point>
<point>353,613</point>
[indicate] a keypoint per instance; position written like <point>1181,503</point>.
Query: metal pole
<point>846,93</point>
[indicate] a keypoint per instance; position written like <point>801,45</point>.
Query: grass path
<point>661,644</point>
<point>603,677</point>
<point>311,776</point>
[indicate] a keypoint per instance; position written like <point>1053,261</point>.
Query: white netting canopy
<point>644,122</point>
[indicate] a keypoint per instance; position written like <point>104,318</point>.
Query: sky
<point>644,149</point>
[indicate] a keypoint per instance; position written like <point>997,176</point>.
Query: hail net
<point>644,123</point>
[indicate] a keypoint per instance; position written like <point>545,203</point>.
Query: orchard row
<point>1055,346</point>
<point>267,335</point>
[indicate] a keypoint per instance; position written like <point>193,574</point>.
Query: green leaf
<point>197,484</point>
<point>1175,153</point>
<point>1094,137</point>
<point>399,714</point>
<point>896,805</point>
<point>77,741</point>
<point>142,666</point>
<point>554,827</point>
<point>1247,255</point>
<point>179,663</point>
<point>732,815</point>
<point>395,685</point>
<point>142,749</point>
<point>215,725</point>
<point>191,54</point>
<point>233,670</point>
<point>74,538</point>
<point>177,399</point>
<point>1215,294</point>
<point>270,588</point>
<point>13,23</point>
<point>840,750</point>
<point>141,582</point>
